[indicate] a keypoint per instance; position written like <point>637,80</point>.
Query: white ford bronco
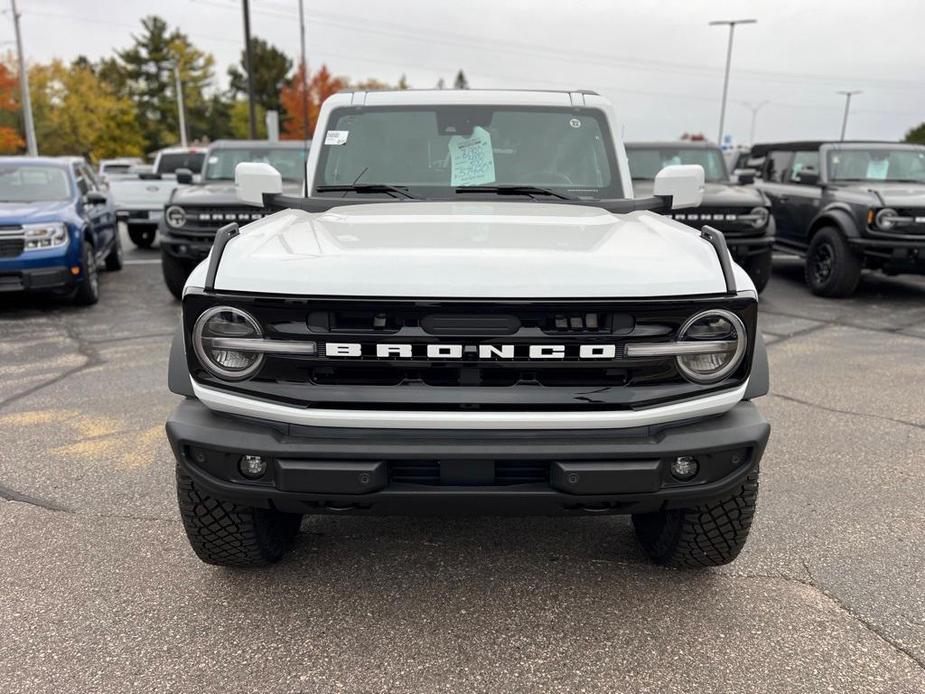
<point>468,312</point>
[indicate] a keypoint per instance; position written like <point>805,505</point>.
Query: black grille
<point>10,248</point>
<point>506,472</point>
<point>726,219</point>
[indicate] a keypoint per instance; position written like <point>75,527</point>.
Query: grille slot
<point>506,472</point>
<point>10,248</point>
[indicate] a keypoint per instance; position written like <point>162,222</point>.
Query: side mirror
<point>253,181</point>
<point>684,183</point>
<point>745,178</point>
<point>184,176</point>
<point>95,197</point>
<point>806,178</point>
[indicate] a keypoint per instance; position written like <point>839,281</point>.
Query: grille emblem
<point>397,350</point>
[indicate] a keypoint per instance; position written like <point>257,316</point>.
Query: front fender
<point>839,217</point>
<point>178,378</point>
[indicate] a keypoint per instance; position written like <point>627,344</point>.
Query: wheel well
<point>833,220</point>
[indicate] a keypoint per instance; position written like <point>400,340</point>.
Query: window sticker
<point>575,123</point>
<point>336,137</point>
<point>471,159</point>
<point>877,169</point>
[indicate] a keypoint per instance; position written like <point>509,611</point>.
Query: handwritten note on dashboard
<point>472,159</point>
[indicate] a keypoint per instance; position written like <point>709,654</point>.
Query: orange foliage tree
<point>10,141</point>
<point>321,85</point>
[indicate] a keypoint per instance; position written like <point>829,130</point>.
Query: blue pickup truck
<point>57,228</point>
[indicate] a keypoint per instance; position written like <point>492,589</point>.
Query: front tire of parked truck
<point>142,235</point>
<point>711,534</point>
<point>227,534</point>
<point>832,267</point>
<point>176,271</point>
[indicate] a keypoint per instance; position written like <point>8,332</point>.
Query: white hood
<point>502,250</point>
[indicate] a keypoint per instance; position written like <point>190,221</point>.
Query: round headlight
<point>175,216</point>
<point>883,219</point>
<point>714,326</point>
<point>225,323</point>
<point>761,217</point>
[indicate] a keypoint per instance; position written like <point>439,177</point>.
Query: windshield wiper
<point>367,188</point>
<point>514,190</point>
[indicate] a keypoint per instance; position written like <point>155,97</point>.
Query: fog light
<point>252,466</point>
<point>684,467</point>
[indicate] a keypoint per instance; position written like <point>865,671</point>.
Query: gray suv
<point>847,206</point>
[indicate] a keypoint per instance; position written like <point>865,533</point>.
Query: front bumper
<point>377,471</point>
<point>36,279</point>
<point>140,216</point>
<point>178,244</point>
<point>746,246</point>
<point>892,254</point>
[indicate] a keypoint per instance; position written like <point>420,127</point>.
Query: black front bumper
<point>892,254</point>
<point>192,247</point>
<point>37,279</point>
<point>482,472</point>
<point>747,246</point>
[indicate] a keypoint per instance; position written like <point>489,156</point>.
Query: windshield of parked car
<point>289,161</point>
<point>877,164</point>
<point>33,184</point>
<point>646,162</point>
<point>169,162</point>
<point>437,152</point>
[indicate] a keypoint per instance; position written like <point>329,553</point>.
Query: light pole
<point>754,108</point>
<point>305,133</point>
<point>251,115</point>
<point>29,125</point>
<point>847,94</point>
<point>181,110</point>
<point>731,23</point>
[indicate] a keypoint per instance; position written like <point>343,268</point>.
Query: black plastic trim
<point>718,241</point>
<point>222,237</point>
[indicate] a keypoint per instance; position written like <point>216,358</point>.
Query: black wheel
<point>88,286</point>
<point>142,235</point>
<point>711,534</point>
<point>832,268</point>
<point>758,268</point>
<point>114,257</point>
<point>175,273</point>
<point>227,534</point>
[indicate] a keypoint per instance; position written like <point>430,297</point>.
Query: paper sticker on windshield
<point>877,169</point>
<point>336,137</point>
<point>575,123</point>
<point>472,159</point>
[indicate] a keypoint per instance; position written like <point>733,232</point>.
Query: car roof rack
<point>718,241</point>
<point>222,237</point>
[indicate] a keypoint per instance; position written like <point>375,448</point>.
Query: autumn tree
<point>76,113</point>
<point>10,140</point>
<point>321,85</point>
<point>916,135</point>
<point>460,82</point>
<point>270,66</point>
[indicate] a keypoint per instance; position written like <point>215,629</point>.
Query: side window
<point>82,185</point>
<point>803,162</point>
<point>776,165</point>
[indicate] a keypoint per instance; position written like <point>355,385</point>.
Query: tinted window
<point>33,183</point>
<point>170,162</point>
<point>877,164</point>
<point>646,162</point>
<point>435,149</point>
<point>803,161</point>
<point>776,165</point>
<point>289,161</point>
<point>116,168</point>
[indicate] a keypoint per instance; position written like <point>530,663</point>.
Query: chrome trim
<point>707,405</point>
<point>263,346</point>
<point>674,349</point>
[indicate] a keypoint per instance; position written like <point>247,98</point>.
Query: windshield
<point>877,164</point>
<point>289,161</point>
<point>646,162</point>
<point>170,162</point>
<point>33,184</point>
<point>436,151</point>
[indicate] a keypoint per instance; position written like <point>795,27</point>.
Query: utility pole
<point>251,115</point>
<point>29,125</point>
<point>754,108</point>
<point>847,94</point>
<point>178,86</point>
<point>305,133</point>
<point>731,23</point>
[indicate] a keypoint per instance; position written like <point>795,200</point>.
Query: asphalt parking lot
<point>100,591</point>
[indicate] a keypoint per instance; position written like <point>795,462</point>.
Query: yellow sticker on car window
<point>472,159</point>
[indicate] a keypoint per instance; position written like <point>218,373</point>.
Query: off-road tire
<point>176,271</point>
<point>829,249</point>
<point>227,534</point>
<point>142,235</point>
<point>114,260</point>
<point>711,534</point>
<point>758,268</point>
<point>87,292</point>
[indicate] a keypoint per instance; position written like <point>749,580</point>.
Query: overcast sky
<point>657,60</point>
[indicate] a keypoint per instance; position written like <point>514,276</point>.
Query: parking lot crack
<point>836,322</point>
<point>836,410</point>
<point>39,502</point>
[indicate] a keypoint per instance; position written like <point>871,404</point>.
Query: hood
<point>893,194</point>
<point>219,194</point>
<point>476,250</point>
<point>25,212</point>
<point>714,194</point>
